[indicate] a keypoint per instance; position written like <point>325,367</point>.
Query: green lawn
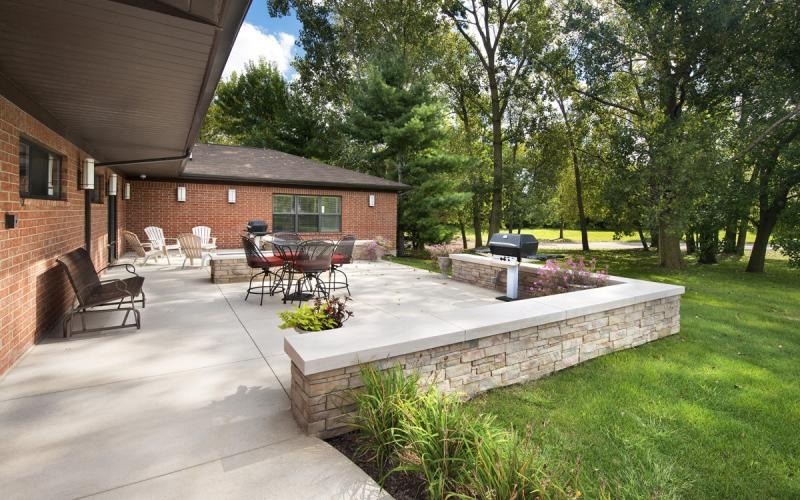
<point>713,412</point>
<point>574,235</point>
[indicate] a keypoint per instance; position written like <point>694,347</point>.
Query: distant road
<point>602,245</point>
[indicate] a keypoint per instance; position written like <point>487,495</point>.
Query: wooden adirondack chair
<point>204,233</point>
<point>141,250</point>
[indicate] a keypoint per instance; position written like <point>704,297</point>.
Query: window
<point>99,186</point>
<point>306,214</point>
<point>39,171</point>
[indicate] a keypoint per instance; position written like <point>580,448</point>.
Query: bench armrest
<point>128,267</point>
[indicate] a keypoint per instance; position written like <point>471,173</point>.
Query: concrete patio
<point>194,404</point>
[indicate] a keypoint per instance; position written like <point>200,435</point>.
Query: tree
<point>662,55</point>
<point>505,36</point>
<point>397,125</point>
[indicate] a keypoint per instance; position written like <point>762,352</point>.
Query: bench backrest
<point>81,273</point>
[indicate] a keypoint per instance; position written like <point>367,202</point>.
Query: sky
<point>264,36</point>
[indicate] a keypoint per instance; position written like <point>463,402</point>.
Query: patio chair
<point>310,260</point>
<point>342,254</point>
<point>204,233</point>
<point>92,294</point>
<point>140,250</point>
<point>192,247</point>
<point>257,260</point>
<point>156,237</point>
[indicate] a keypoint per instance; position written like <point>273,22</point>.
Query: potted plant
<point>327,314</point>
<point>440,255</point>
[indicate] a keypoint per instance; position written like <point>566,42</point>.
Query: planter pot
<point>299,330</point>
<point>575,288</point>
<point>444,265</point>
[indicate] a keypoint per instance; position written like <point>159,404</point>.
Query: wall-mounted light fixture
<point>112,185</point>
<point>181,193</point>
<point>372,200</point>
<point>127,192</point>
<point>231,196</point>
<point>87,176</point>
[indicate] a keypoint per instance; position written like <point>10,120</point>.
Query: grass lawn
<point>713,412</point>
<point>574,235</point>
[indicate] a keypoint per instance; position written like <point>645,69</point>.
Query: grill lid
<point>257,227</point>
<point>513,245</point>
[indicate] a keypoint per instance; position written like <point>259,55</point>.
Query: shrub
<point>323,315</point>
<point>436,251</point>
<point>787,234</point>
<point>377,417</point>
<point>556,278</point>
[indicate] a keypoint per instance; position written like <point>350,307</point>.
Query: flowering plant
<point>376,248</point>
<point>323,315</point>
<point>556,278</point>
<point>436,251</point>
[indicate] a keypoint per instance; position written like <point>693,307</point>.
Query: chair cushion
<point>265,261</point>
<point>338,259</point>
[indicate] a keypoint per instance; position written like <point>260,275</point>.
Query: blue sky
<point>264,36</point>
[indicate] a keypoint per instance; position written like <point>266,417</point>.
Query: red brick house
<point>225,186</point>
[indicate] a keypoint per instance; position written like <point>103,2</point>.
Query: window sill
<point>41,197</point>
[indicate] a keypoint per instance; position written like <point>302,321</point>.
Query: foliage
<point>459,454</point>
<point>325,314</point>
<point>555,277</point>
<point>378,410</point>
<point>436,251</point>
<point>787,235</point>
<point>375,250</point>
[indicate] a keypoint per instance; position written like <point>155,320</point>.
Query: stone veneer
<point>492,351</point>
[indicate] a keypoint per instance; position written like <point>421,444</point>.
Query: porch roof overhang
<point>127,81</point>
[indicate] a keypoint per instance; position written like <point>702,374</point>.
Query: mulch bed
<point>401,485</point>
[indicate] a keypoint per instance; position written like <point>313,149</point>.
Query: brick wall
<point>154,203</point>
<point>322,403</point>
<point>33,291</point>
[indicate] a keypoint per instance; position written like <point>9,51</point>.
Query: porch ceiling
<point>126,80</point>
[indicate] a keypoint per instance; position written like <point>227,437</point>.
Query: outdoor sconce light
<point>372,200</point>
<point>87,176</point>
<point>127,193</point>
<point>181,193</point>
<point>112,185</point>
<point>231,196</point>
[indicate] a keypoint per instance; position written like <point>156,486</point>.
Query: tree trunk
<point>577,170</point>
<point>729,241</point>
<point>654,238</point>
<point>497,158</point>
<point>741,240</point>
<point>477,226</point>
<point>708,246</point>
<point>669,248</point>
<point>463,229</point>
<point>766,223</point>
<point>642,238</point>
<point>561,230</point>
<point>691,245</point>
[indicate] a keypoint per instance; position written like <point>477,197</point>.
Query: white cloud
<point>252,43</point>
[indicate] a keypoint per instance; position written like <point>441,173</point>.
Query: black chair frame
<point>344,247</point>
<point>275,278</point>
<point>93,295</point>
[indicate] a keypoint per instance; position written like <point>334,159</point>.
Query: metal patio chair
<point>156,237</point>
<point>92,294</point>
<point>257,260</point>
<point>141,250</point>
<point>342,254</point>
<point>309,261</point>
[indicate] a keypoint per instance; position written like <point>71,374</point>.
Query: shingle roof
<point>237,163</point>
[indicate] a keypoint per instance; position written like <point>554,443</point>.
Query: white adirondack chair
<point>206,240</point>
<point>141,250</point>
<point>156,237</point>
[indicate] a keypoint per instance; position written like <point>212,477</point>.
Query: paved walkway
<point>194,405</point>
